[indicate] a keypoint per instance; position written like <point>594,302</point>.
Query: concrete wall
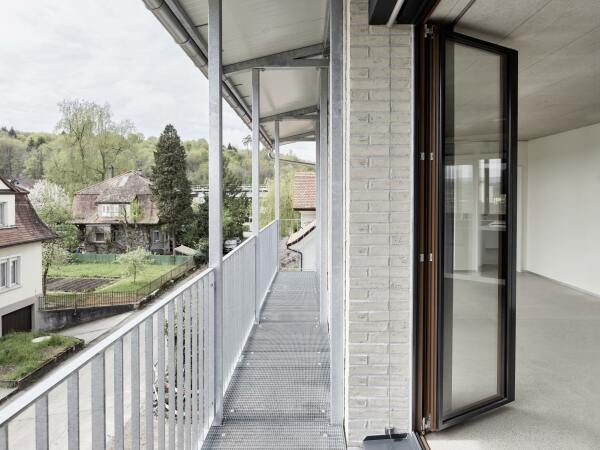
<point>378,126</point>
<point>563,207</point>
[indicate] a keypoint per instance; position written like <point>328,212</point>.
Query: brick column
<point>379,215</point>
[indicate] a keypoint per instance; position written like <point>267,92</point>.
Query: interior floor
<point>557,384</point>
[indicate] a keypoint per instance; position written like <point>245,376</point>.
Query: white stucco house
<point>21,236</point>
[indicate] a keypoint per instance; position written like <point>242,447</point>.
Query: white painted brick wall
<point>379,223</point>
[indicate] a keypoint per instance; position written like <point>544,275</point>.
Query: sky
<point>106,51</point>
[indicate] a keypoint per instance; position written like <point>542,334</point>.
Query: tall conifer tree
<point>170,186</point>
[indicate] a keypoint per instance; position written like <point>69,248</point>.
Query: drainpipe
<point>295,251</point>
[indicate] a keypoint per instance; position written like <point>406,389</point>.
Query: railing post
<point>255,187</point>
<point>215,182</point>
<point>277,189</point>
<point>322,209</point>
<point>337,211</point>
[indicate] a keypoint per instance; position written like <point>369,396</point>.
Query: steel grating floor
<point>278,397</point>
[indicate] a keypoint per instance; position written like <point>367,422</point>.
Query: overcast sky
<point>106,51</point>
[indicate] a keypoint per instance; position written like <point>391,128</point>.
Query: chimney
<point>110,171</point>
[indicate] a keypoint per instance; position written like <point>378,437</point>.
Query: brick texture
<point>379,224</point>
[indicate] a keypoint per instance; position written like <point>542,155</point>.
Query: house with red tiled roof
<point>21,235</point>
<point>118,213</point>
<point>304,241</point>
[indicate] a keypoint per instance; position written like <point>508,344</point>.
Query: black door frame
<point>429,223</point>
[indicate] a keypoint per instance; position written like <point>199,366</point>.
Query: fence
<point>157,369</point>
<point>70,300</point>
<point>112,257</point>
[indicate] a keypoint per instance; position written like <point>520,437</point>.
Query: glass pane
<point>474,227</point>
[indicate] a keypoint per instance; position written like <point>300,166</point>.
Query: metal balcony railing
<point>150,382</point>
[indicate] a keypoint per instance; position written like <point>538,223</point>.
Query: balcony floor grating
<point>279,394</point>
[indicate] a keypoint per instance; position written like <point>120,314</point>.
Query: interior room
<point>558,217</point>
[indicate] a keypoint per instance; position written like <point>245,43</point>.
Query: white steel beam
<point>322,157</point>
<point>307,113</point>
<point>288,58</point>
<point>277,190</point>
<point>256,185</point>
<point>308,135</point>
<point>215,191</point>
<point>337,212</point>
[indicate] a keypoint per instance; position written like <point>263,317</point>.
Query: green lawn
<point>19,356</point>
<point>111,270</point>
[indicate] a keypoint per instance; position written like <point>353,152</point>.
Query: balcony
<point>252,384</point>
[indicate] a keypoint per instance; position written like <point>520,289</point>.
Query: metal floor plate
<point>278,397</point>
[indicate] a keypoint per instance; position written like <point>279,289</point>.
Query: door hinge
<point>422,156</point>
<point>431,156</point>
<point>426,423</point>
<point>431,257</point>
<point>422,257</point>
<point>428,31</point>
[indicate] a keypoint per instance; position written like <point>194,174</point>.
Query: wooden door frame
<point>429,95</point>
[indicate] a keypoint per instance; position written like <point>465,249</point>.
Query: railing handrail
<point>268,225</point>
<point>238,248</point>
<point>19,404</point>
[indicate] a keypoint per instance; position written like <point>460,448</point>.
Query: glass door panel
<point>476,300</point>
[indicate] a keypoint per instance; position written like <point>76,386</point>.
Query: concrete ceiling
<point>559,55</point>
<point>256,28</point>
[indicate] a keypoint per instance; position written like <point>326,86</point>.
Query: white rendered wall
<point>31,273</point>
<point>563,207</point>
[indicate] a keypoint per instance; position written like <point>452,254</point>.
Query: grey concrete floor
<point>557,402</point>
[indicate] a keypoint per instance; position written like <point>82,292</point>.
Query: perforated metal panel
<point>279,394</point>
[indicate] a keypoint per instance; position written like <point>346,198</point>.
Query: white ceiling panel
<point>256,28</point>
<point>559,56</point>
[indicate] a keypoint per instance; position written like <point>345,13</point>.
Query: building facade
<point>21,236</point>
<point>118,213</point>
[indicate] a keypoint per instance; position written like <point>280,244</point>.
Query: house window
<point>156,235</point>
<point>112,210</point>
<point>10,272</point>
<point>99,236</point>
<point>3,214</point>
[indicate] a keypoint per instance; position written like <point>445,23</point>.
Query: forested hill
<point>88,141</point>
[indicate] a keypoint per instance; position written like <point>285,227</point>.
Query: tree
<point>130,216</point>
<point>53,205</point>
<point>171,188</point>
<point>290,219</point>
<point>246,141</point>
<point>133,261</point>
<point>53,254</point>
<point>12,155</point>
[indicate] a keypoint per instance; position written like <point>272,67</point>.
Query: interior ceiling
<point>559,55</point>
<point>256,28</point>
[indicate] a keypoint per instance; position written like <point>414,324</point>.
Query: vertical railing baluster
<point>160,382</point>
<point>194,350</point>
<point>73,411</point>
<point>41,423</point>
<point>208,375</point>
<point>135,388</point>
<point>98,404</point>
<point>149,369</point>
<point>118,392</point>
<point>188,348</point>
<point>180,382</point>
<point>4,437</point>
<point>171,374</point>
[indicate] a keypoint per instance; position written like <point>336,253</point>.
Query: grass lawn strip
<point>145,275</point>
<point>19,356</point>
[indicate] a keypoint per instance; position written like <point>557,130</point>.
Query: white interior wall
<point>563,207</point>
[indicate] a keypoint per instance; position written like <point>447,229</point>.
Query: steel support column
<point>322,157</point>
<point>215,191</point>
<point>318,230</point>
<point>255,185</point>
<point>277,190</point>
<point>337,211</point>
